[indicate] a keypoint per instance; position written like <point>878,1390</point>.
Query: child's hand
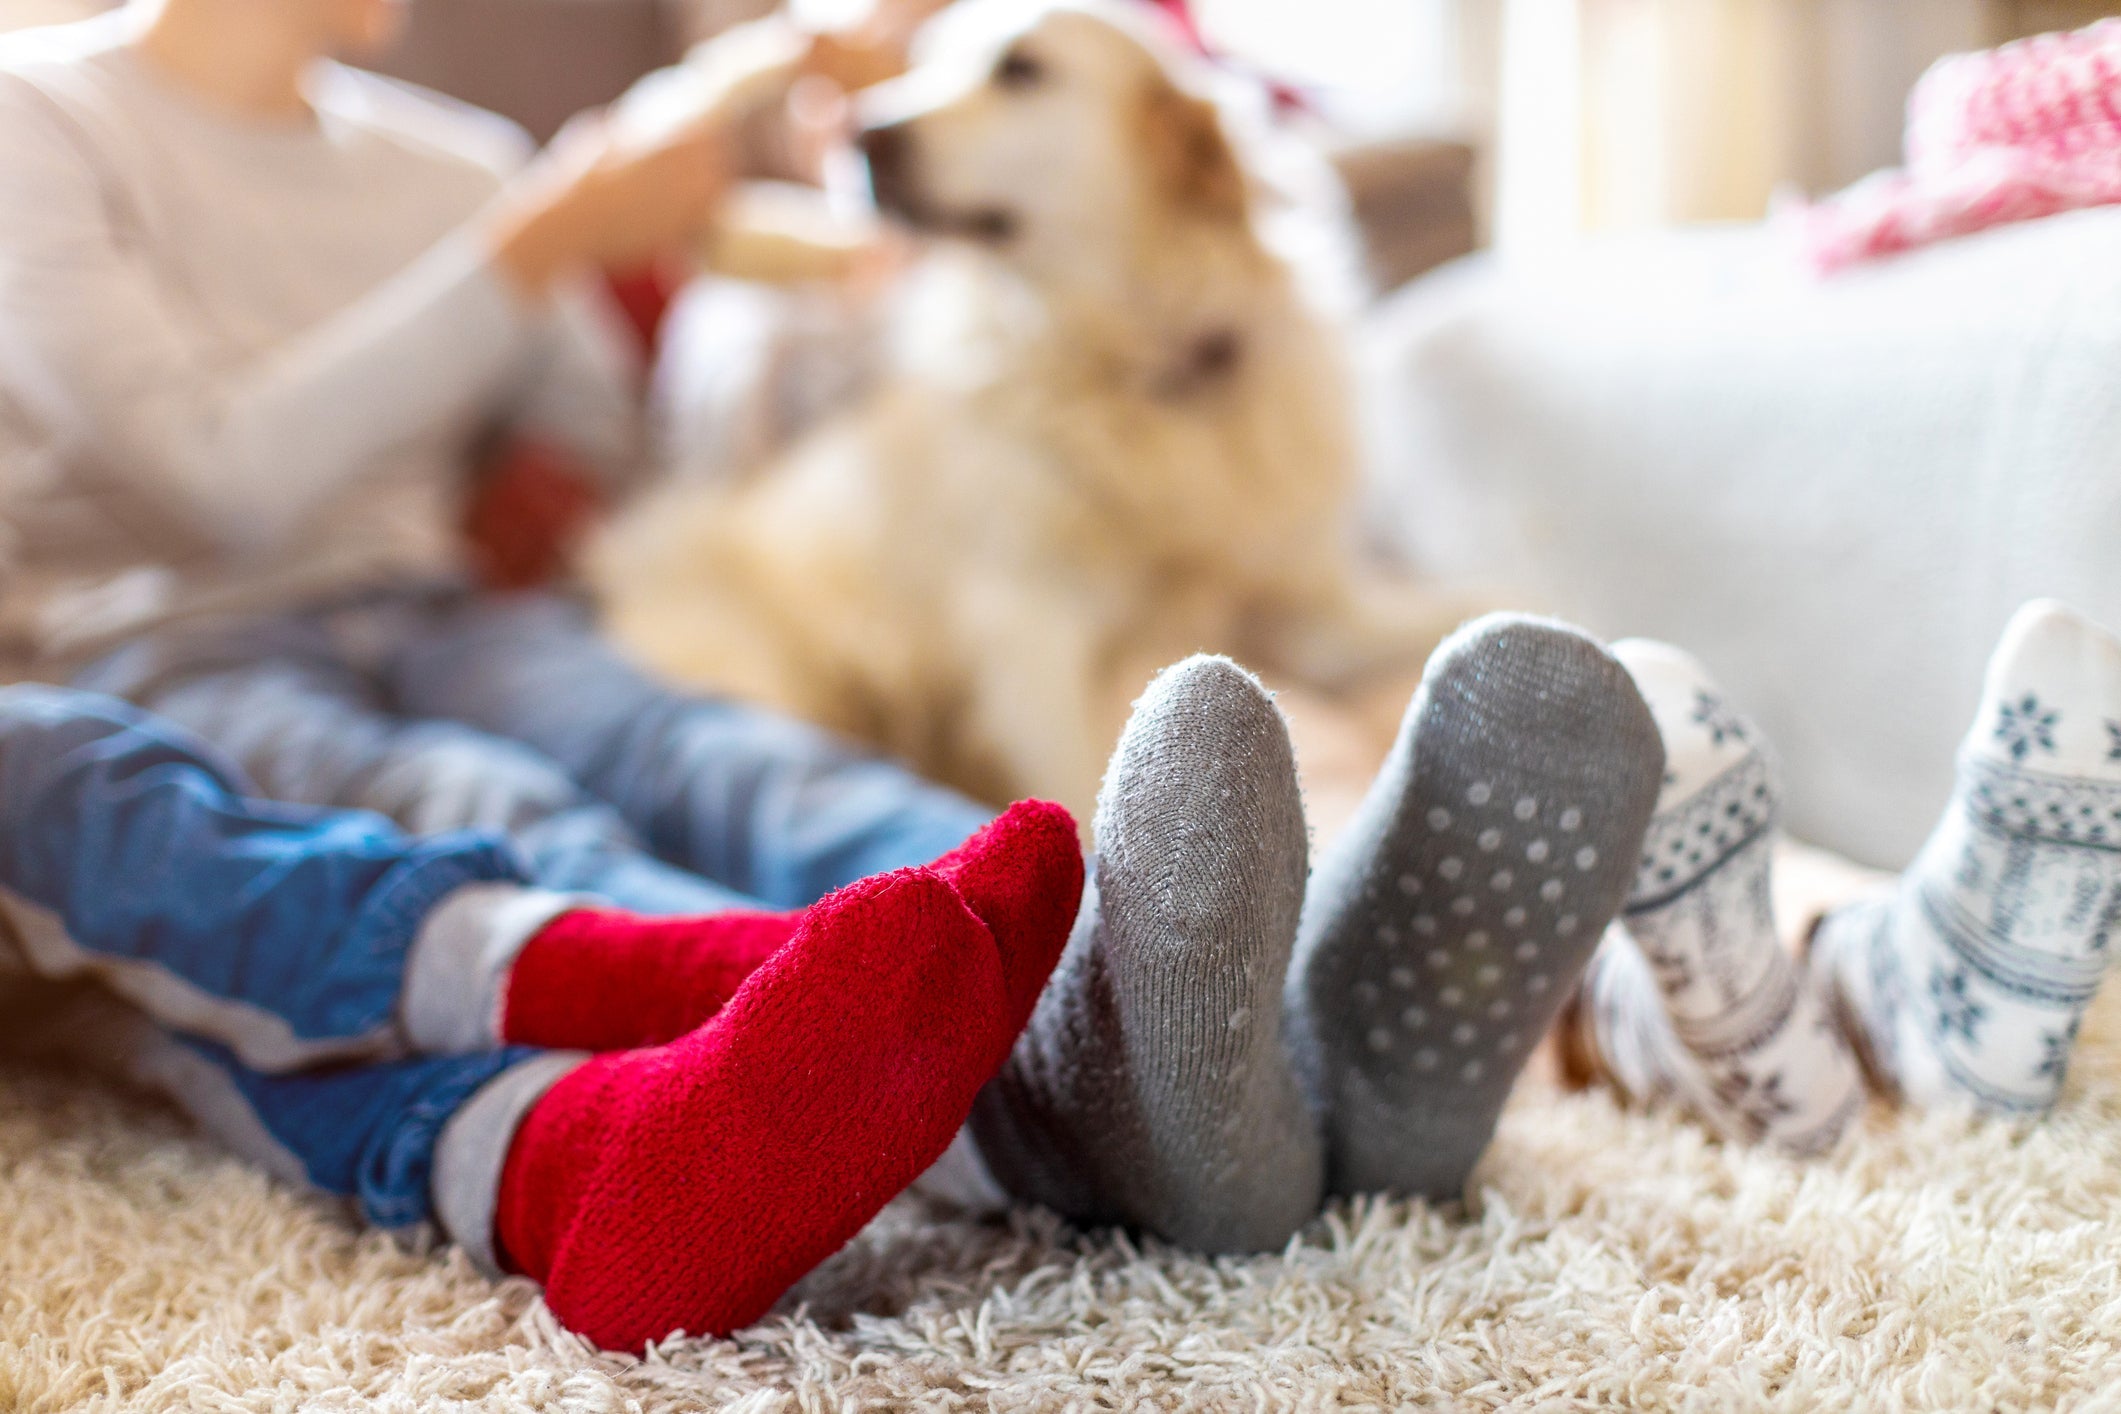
<point>854,59</point>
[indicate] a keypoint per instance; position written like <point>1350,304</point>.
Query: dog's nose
<point>887,148</point>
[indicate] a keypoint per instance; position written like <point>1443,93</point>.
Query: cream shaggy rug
<point>1611,1259</point>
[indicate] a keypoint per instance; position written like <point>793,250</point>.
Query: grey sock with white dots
<point>1446,927</point>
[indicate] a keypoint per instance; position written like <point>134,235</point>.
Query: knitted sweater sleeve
<point>124,373</point>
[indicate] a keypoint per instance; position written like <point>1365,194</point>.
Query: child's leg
<point>1694,997</point>
<point>762,804</point>
<point>127,853</point>
<point>1967,982</point>
<point>406,1140</point>
<point>297,936</point>
<point>759,803</point>
<point>292,702</point>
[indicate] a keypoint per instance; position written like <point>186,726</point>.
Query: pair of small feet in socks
<point>1232,1035</point>
<point>763,1083</point>
<point>1965,982</point>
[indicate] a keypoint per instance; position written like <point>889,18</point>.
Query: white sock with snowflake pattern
<point>1968,980</point>
<point>1692,997</point>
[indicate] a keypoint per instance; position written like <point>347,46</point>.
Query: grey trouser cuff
<point>473,1149</point>
<point>457,968</point>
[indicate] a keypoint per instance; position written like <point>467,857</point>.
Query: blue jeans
<point>445,711</point>
<point>131,858</point>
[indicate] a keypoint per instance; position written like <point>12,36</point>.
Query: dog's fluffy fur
<point>1120,432</point>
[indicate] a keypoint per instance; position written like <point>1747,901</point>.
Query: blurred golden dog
<point>1117,432</point>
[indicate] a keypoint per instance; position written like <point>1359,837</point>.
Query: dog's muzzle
<point>888,149</point>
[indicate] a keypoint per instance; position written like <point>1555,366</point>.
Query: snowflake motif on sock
<point>2055,1051</point>
<point>2025,724</point>
<point>1717,719</point>
<point>2113,740</point>
<point>1956,1011</point>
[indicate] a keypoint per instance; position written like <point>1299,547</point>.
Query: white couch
<point>1834,491</point>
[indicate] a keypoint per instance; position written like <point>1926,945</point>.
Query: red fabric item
<point>598,979</point>
<point>644,296</point>
<point>533,503</point>
<point>686,1187</point>
<point>530,510</point>
<point>2027,130</point>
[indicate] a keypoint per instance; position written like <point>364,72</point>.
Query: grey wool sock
<point>1448,924</point>
<point>1152,1087</point>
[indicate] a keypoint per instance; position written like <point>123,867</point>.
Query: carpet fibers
<point>1610,1260</point>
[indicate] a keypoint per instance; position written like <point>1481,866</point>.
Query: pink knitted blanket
<point>2008,134</point>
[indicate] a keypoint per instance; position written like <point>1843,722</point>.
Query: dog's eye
<point>1018,69</point>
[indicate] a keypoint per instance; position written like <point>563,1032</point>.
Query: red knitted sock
<point>597,979</point>
<point>686,1187</point>
<point>600,979</point>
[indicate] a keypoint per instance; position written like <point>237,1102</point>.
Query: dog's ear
<point>1190,156</point>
